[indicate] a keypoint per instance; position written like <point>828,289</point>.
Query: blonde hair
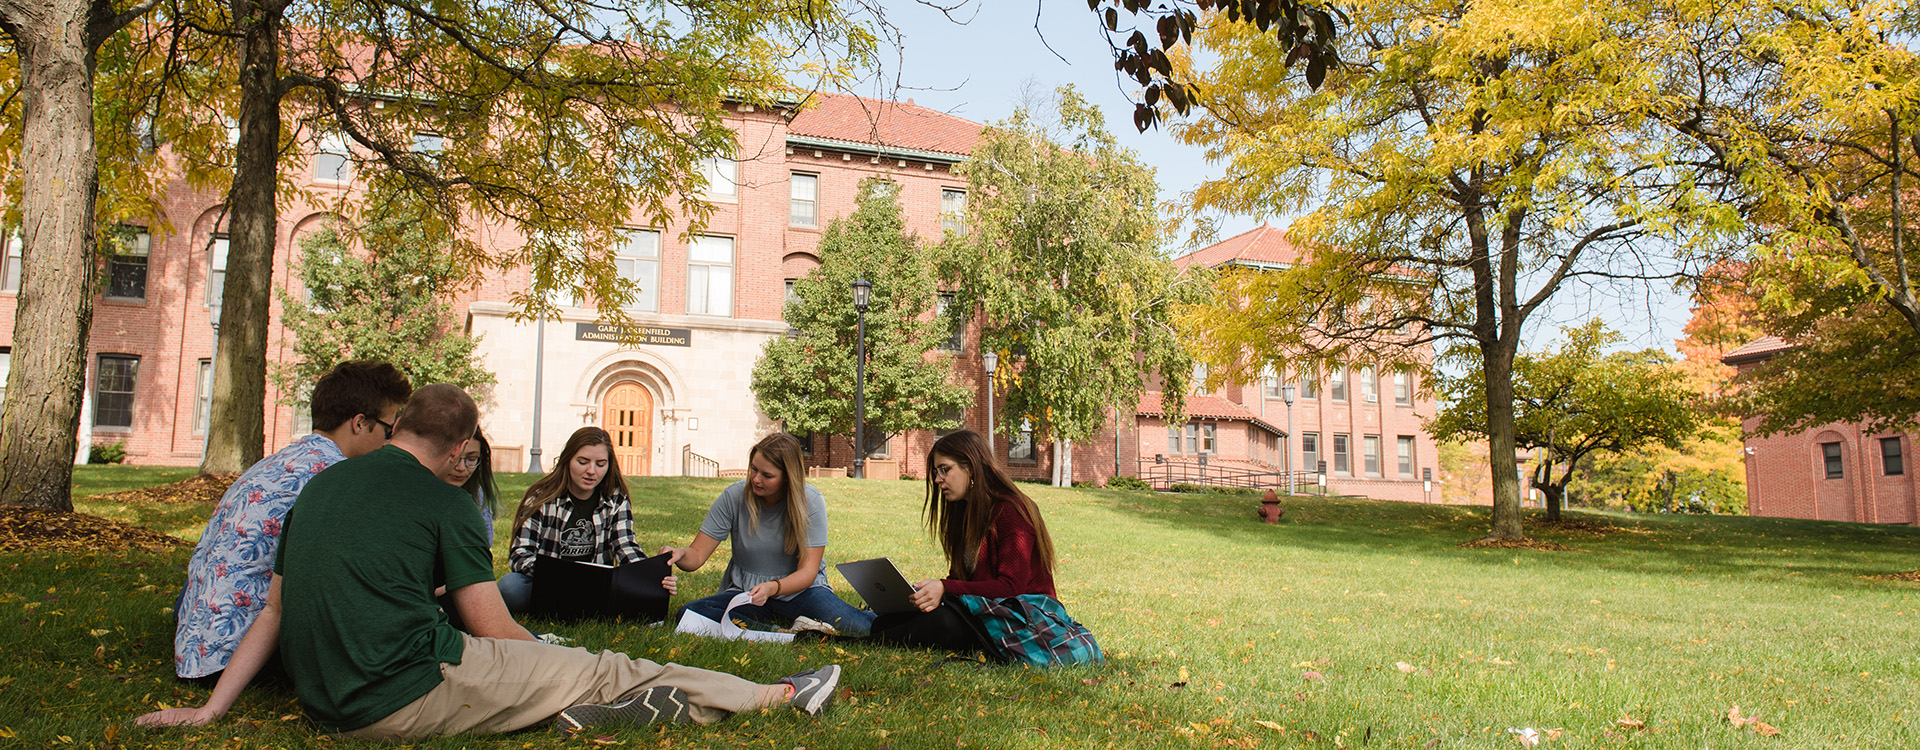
<point>783,451</point>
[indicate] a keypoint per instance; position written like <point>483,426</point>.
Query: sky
<point>977,61</point>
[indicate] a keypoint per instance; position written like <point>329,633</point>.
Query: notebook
<point>881,584</point>
<point>565,589</point>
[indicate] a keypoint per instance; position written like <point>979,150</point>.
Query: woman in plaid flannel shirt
<point>578,511</point>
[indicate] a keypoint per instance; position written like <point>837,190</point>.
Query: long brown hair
<point>783,451</point>
<point>550,487</point>
<point>961,525</point>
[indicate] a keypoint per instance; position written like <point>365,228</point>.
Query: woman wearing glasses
<point>579,511</point>
<point>474,474</point>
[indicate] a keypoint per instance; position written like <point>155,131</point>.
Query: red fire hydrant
<point>1270,511</point>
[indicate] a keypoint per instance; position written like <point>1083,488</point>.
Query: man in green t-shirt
<point>371,654</point>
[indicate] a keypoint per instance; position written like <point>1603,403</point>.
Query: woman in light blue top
<point>778,525</point>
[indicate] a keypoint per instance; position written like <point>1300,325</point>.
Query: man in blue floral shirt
<point>353,408</point>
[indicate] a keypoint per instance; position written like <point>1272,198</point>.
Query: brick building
<point>680,402</point>
<point>1833,472</point>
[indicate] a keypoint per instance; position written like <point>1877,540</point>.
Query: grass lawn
<point>1212,621</point>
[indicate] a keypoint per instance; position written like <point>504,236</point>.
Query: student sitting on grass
<point>370,654</point>
<point>474,473</point>
<point>779,529</point>
<point>579,511</point>
<point>353,408</point>
<point>998,595</point>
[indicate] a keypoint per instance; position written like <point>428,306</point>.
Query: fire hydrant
<point>1270,510</point>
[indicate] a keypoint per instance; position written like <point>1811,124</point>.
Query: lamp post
<point>992,361</point>
<point>861,292</point>
<point>1286,394</point>
<point>539,358</point>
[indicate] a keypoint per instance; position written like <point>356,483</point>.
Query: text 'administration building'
<point>679,401</point>
<point>1833,472</point>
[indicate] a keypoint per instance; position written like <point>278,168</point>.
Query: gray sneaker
<point>662,703</point>
<point>813,689</point>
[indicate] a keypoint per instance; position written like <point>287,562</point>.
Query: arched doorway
<point>626,412</point>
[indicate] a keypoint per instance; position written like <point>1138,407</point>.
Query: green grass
<point>1210,620</point>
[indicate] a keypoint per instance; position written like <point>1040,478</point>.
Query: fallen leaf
<point>1500,661</point>
<point>1405,668</point>
<point>1303,665</point>
<point>1765,729</point>
<point>1629,723</point>
<point>1734,717</point>
<point>1199,728</point>
<point>1312,675</point>
<point>1270,725</point>
<point>1091,681</point>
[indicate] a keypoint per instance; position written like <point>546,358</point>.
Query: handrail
<point>695,465</point>
<point>1163,474</point>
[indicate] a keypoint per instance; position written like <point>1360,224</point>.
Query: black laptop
<point>568,590</point>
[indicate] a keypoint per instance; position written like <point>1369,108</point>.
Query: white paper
<point>725,629</point>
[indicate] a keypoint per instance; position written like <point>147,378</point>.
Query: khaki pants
<point>503,685</point>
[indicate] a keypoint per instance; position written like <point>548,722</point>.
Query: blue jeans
<point>817,602</point>
<point>517,591</point>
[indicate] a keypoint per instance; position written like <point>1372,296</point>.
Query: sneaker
<point>804,624</point>
<point>813,689</point>
<point>662,703</point>
<point>553,638</point>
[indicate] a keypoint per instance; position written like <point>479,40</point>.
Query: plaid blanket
<point>1032,629</point>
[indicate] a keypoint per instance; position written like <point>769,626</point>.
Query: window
<point>429,143</point>
<point>806,444</point>
<point>113,390</point>
<point>1369,386</point>
<point>637,259</point>
<point>1403,387</point>
<point>1341,465</point>
<point>1406,455</point>
<point>1310,385</point>
<point>1831,453</point>
<point>1209,438</point>
<point>1337,383</point>
<point>6,368</point>
<point>881,450</point>
<point>710,276</point>
<point>1272,382</point>
<point>1173,440</point>
<point>216,270</point>
<point>720,172</point>
<point>1020,448</point>
<point>953,211</point>
<point>948,314</point>
<point>957,417</point>
<point>302,418</point>
<point>804,208</point>
<point>203,397</point>
<point>332,160</point>
<point>127,264</point>
<point>1200,374</point>
<point>1310,451</point>
<point>1890,457</point>
<point>788,300</point>
<point>1370,448</point>
<point>11,280</point>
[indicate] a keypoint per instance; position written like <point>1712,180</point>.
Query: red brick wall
<point>1786,476</point>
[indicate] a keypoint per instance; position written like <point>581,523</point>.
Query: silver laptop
<point>881,584</point>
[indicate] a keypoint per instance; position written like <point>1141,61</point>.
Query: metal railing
<point>695,465</point>
<point>1164,474</point>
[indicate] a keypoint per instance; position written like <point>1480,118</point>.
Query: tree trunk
<point>1552,495</point>
<point>1497,367</point>
<point>237,434</point>
<point>54,310</point>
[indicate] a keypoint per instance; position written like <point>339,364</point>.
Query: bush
<point>1191,489</point>
<point>1240,491</point>
<point>1128,483</point>
<point>108,453</point>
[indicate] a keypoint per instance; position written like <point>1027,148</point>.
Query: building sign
<point>653,335</point>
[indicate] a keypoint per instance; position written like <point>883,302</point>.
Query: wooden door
<point>626,412</point>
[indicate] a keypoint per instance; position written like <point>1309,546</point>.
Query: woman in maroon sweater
<point>997,546</point>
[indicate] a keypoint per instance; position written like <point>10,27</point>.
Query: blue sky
<point>977,61</point>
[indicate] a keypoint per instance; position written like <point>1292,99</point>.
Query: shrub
<point>1217,490</point>
<point>1128,483</point>
<point>1191,489</point>
<point>108,453</point>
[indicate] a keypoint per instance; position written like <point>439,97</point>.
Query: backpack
<point>1032,629</point>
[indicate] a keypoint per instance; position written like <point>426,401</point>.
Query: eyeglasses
<point>469,461</point>
<point>383,423</point>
